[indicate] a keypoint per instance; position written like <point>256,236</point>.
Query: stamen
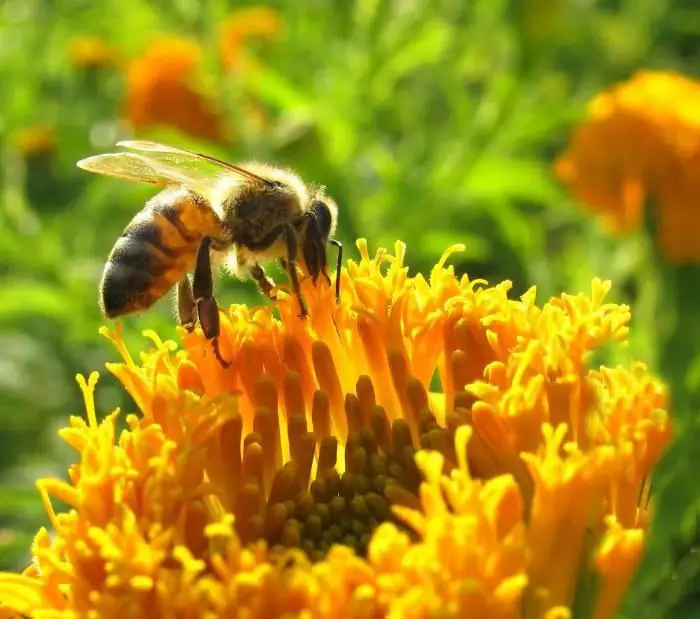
<point>116,338</point>
<point>295,361</point>
<point>398,495</point>
<point>303,448</point>
<point>321,415</point>
<point>459,363</point>
<point>327,456</point>
<point>189,378</point>
<point>379,423</point>
<point>353,413</point>
<point>249,366</point>
<point>328,381</point>
<point>226,448</point>
<point>88,390</point>
<point>417,398</point>
<point>253,460</point>
<point>266,425</point>
<point>365,395</point>
<point>293,395</point>
<point>375,353</point>
<point>285,486</point>
<point>398,367</point>
<point>452,249</point>
<point>249,524</point>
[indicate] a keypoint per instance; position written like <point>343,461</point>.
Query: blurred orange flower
<point>318,476</point>
<point>640,145</point>
<point>91,52</point>
<point>35,140</point>
<point>161,90</point>
<point>242,25</point>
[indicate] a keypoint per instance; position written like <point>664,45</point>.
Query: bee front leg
<point>314,251</point>
<point>315,255</point>
<point>186,304</point>
<point>265,283</point>
<point>338,267</point>
<point>203,292</point>
<point>291,240</point>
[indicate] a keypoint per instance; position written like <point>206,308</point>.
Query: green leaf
<point>15,500</point>
<point>22,298</point>
<point>516,179</point>
<point>426,46</point>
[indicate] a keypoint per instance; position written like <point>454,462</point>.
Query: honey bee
<point>210,212</point>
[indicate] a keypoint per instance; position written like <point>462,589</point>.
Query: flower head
<point>162,90</point>
<point>641,143</point>
<point>244,24</point>
<point>319,475</point>
<point>36,140</point>
<point>91,52</point>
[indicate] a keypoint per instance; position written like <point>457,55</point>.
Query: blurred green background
<point>430,122</point>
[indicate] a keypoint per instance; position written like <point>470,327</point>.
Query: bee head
<point>325,211</point>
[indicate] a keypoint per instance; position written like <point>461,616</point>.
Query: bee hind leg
<point>186,304</point>
<point>203,292</point>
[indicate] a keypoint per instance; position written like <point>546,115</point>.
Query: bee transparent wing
<point>196,165</point>
<point>133,167</point>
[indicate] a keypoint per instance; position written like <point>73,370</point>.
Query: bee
<point>210,213</point>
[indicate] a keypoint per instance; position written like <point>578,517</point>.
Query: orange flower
<point>91,52</point>
<point>641,144</point>
<point>161,91</point>
<point>35,140</point>
<point>244,24</point>
<point>319,476</point>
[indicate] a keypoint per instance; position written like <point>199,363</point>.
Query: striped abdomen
<point>155,251</point>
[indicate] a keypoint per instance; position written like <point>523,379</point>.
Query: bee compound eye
<point>323,217</point>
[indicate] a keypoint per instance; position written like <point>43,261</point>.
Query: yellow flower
<point>161,90</point>
<point>319,476</point>
<point>90,52</point>
<point>245,24</point>
<point>641,143</point>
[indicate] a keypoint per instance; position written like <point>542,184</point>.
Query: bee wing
<point>133,167</point>
<point>196,164</point>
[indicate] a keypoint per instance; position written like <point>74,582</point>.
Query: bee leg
<point>203,292</point>
<point>314,251</point>
<point>291,241</point>
<point>338,267</point>
<point>315,254</point>
<point>264,282</point>
<point>186,304</point>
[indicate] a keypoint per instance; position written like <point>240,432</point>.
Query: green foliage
<point>429,122</point>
